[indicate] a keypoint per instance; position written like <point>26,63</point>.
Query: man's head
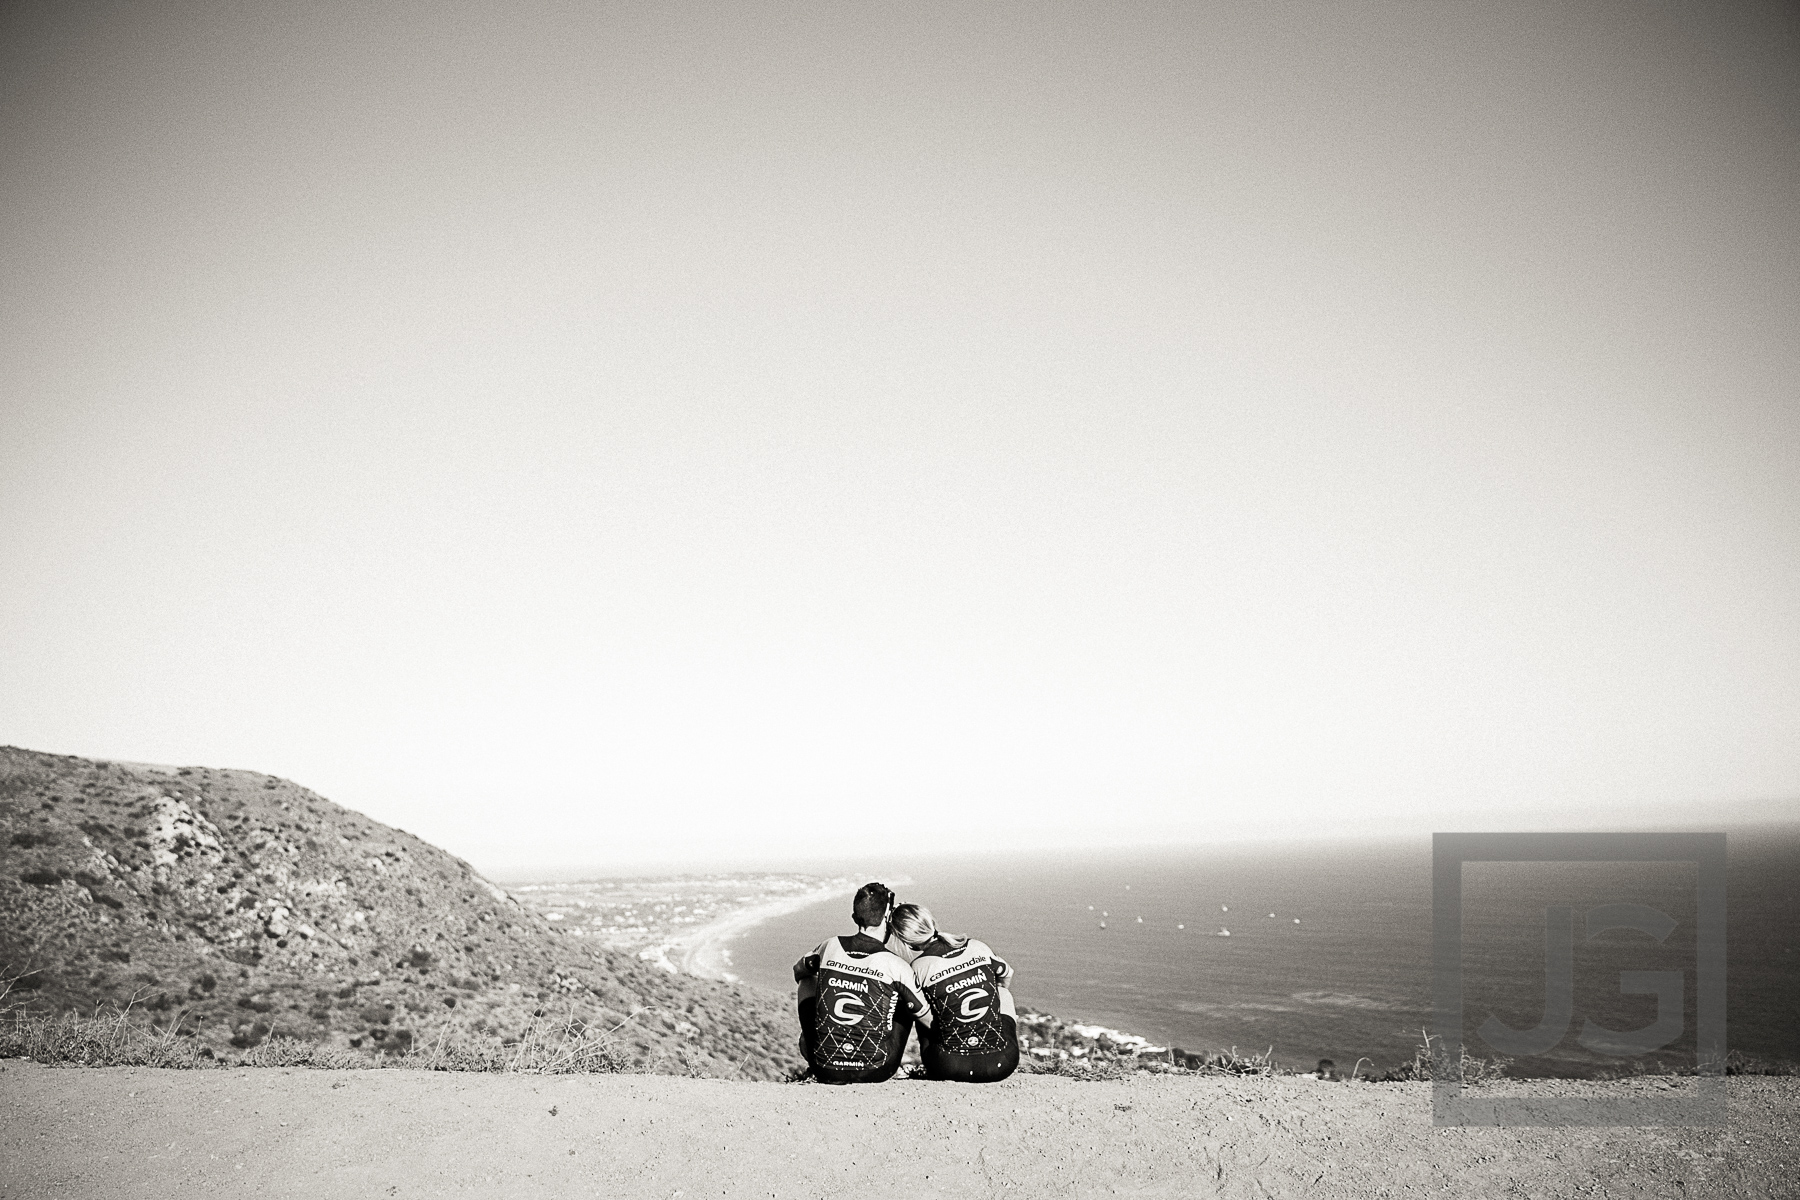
<point>871,905</point>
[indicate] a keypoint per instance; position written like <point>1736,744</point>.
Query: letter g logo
<point>1559,989</point>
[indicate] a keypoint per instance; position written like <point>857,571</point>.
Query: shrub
<point>283,1051</point>
<point>1739,1063</point>
<point>112,1040</point>
<point>545,1047</point>
<point>1091,1069</point>
<point>1430,1058</point>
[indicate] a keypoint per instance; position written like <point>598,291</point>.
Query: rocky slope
<point>239,905</point>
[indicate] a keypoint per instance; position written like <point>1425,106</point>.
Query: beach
<point>100,1133</point>
<point>706,951</point>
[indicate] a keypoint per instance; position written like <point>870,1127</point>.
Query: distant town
<point>643,914</point>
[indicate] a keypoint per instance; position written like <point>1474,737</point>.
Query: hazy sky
<point>586,432</point>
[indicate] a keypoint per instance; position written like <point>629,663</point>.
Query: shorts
<point>880,1073</point>
<point>974,1068</point>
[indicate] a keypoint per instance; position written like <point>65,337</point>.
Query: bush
<point>113,1040</point>
<point>1739,1063</point>
<point>546,1047</point>
<point>1092,1069</point>
<point>1430,1058</point>
<point>283,1051</point>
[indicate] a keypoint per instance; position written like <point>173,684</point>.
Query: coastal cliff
<point>235,906</point>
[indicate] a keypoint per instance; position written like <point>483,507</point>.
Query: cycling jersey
<point>963,986</point>
<point>864,992</point>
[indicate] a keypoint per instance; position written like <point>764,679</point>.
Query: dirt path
<point>131,1133</point>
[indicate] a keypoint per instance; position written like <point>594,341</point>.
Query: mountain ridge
<point>234,905</point>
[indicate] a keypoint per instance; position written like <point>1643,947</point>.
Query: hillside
<point>243,905</point>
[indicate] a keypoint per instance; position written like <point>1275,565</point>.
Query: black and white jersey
<point>962,984</point>
<point>864,988</point>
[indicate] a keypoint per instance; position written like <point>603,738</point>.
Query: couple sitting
<point>858,999</point>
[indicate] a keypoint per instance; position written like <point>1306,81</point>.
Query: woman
<point>974,1032</point>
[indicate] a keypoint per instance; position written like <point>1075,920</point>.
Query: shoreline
<point>702,952</point>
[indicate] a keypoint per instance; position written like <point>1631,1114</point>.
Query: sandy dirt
<point>125,1132</point>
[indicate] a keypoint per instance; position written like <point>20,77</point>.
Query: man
<point>857,999</point>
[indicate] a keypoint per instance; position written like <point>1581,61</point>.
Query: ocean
<point>1329,953</point>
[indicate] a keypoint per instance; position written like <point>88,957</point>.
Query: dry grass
<point>282,1051</point>
<point>103,1040</point>
<point>1089,1069</point>
<point>1123,1066</point>
<point>565,1046</point>
<point>122,1038</point>
<point>1230,1062</point>
<point>1739,1063</point>
<point>1431,1060</point>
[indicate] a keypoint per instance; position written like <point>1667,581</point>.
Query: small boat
<point>1271,914</point>
<point>1140,920</point>
<point>1223,932</point>
<point>1102,925</point>
<point>1224,908</point>
<point>1296,920</point>
<point>1181,927</point>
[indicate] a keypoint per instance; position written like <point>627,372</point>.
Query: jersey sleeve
<point>808,966</point>
<point>912,1000</point>
<point>1001,966</point>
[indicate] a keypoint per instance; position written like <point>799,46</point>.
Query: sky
<point>588,433</point>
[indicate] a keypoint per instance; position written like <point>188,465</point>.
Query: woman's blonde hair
<point>913,924</point>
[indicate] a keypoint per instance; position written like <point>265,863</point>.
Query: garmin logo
<point>959,968</point>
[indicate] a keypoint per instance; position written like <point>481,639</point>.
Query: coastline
<point>703,952</point>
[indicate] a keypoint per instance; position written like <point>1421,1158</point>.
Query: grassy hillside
<point>238,906</point>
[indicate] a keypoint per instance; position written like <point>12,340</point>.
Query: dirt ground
<point>134,1132</point>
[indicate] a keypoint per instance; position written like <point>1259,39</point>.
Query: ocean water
<point>1329,953</point>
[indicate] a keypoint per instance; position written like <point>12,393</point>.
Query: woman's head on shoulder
<point>914,925</point>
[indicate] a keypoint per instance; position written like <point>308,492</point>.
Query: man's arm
<point>808,966</point>
<point>911,998</point>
